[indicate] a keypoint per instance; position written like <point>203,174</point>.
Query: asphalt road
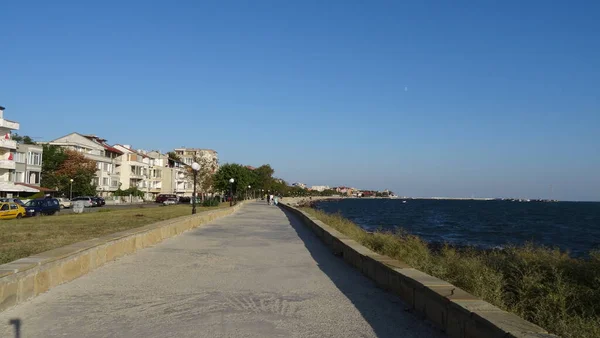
<point>256,273</point>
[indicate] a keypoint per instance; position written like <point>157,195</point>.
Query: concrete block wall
<point>26,278</point>
<point>455,311</point>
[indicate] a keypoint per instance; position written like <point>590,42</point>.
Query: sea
<point>570,226</point>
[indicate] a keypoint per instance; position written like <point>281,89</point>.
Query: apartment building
<point>134,169</point>
<point>28,164</point>
<point>108,159</point>
<point>188,156</point>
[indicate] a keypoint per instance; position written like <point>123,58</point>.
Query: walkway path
<point>256,273</point>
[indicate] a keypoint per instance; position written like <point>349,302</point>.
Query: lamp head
<point>195,166</point>
<point>231,180</point>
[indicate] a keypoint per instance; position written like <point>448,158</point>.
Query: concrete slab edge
<point>455,311</point>
<point>27,277</point>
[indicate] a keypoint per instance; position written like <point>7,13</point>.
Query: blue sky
<point>427,98</point>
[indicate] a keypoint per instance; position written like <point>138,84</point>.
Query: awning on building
<point>37,188</point>
<point>11,187</point>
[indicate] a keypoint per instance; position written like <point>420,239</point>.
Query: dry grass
<point>542,285</point>
<point>28,236</point>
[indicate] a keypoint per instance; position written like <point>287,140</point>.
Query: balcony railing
<point>7,164</point>
<point>10,144</point>
<point>9,124</point>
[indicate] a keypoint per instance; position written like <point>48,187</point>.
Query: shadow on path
<point>385,312</point>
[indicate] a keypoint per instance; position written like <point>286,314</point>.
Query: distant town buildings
<point>319,188</point>
<point>118,166</point>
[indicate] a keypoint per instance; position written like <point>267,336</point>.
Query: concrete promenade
<point>256,273</point>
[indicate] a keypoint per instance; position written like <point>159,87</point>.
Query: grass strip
<point>28,236</point>
<point>542,285</point>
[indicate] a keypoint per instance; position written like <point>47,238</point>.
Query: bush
<point>542,285</point>
<point>213,202</point>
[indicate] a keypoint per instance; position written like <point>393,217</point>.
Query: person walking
<point>275,199</point>
<point>268,199</point>
<point>271,199</point>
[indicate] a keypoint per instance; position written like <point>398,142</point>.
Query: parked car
<point>87,201</point>
<point>11,210</point>
<point>170,201</point>
<point>14,200</point>
<point>42,206</point>
<point>64,202</point>
<point>163,197</point>
<point>99,201</point>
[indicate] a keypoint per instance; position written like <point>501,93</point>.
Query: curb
<point>28,277</point>
<point>453,310</point>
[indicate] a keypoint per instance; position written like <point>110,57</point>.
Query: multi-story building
<point>134,169</point>
<point>188,156</point>
<point>108,159</point>
<point>28,164</point>
<point>299,185</point>
<point>319,188</point>
<point>7,148</point>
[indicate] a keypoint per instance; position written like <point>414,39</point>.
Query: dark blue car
<point>42,206</point>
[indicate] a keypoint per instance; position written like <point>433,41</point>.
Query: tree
<point>22,139</point>
<point>172,155</point>
<point>60,166</point>
<point>243,178</point>
<point>264,177</point>
<point>205,176</point>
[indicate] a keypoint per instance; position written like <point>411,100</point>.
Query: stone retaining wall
<point>454,311</point>
<point>27,277</point>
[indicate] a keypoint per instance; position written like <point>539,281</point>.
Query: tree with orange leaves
<point>61,165</point>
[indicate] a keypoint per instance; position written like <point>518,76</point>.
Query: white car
<point>170,201</point>
<point>64,202</point>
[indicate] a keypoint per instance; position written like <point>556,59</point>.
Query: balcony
<point>7,164</point>
<point>9,124</point>
<point>10,144</point>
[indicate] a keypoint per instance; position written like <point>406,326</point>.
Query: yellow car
<point>10,210</point>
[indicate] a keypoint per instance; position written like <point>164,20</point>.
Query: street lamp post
<point>71,191</point>
<point>195,168</point>
<point>231,180</point>
<point>248,193</point>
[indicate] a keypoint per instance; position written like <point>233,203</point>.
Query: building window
<point>99,165</point>
<point>34,158</point>
<point>95,181</point>
<point>105,181</point>
<point>114,183</point>
<point>20,177</point>
<point>33,177</point>
<point>20,158</point>
<point>107,167</point>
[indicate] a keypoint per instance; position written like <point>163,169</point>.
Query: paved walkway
<point>256,273</point>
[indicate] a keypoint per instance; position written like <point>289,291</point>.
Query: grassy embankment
<point>28,236</point>
<point>542,285</point>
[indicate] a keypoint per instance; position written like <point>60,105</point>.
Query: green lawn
<point>28,236</point>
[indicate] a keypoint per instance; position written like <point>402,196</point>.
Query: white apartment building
<point>188,155</point>
<point>319,188</point>
<point>8,148</point>
<point>108,159</point>
<point>134,169</point>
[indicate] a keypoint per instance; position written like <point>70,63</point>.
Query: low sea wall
<point>27,277</point>
<point>455,311</point>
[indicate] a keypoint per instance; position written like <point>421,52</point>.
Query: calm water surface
<point>572,226</point>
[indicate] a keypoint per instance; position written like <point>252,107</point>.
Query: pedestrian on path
<point>271,199</point>
<point>268,199</point>
<point>275,200</point>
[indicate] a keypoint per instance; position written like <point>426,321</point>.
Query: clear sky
<point>427,98</point>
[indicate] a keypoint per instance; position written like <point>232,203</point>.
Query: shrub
<point>542,285</point>
<point>212,202</point>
